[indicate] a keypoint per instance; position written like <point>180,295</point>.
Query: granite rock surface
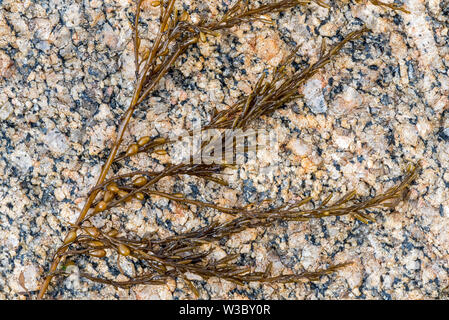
<point>67,75</point>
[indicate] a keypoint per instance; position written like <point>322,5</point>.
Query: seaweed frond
<point>269,95</point>
<point>382,4</point>
<point>175,256</point>
<point>177,34</point>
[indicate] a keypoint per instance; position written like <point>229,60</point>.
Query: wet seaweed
<point>175,256</point>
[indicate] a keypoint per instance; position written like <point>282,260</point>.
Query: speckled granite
<point>66,76</point>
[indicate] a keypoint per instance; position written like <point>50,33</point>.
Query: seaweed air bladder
<point>190,252</point>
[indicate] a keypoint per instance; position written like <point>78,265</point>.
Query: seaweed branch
<point>388,5</point>
<point>268,96</point>
<point>174,256</point>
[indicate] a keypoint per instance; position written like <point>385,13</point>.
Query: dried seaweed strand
<point>173,256</point>
<point>388,5</point>
<point>267,96</point>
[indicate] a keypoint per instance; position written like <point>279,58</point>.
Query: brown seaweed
<point>190,252</point>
